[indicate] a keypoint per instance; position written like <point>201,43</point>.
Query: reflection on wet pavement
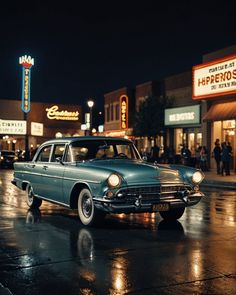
<point>48,250</point>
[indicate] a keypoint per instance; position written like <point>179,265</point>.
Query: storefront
<point>43,122</point>
<point>183,127</point>
<point>214,83</point>
<point>221,117</point>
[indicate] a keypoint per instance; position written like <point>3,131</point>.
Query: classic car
<point>7,158</point>
<point>100,175</point>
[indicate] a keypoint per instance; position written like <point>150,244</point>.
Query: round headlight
<point>197,177</point>
<point>114,180</point>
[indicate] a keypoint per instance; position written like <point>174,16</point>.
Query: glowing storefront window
<point>178,140</point>
<point>191,143</point>
<point>199,138</point>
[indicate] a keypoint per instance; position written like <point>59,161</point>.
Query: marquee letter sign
<point>124,111</point>
<point>27,62</point>
<point>215,78</point>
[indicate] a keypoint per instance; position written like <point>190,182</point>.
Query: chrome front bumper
<point>136,203</point>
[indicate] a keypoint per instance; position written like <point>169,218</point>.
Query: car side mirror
<point>59,160</point>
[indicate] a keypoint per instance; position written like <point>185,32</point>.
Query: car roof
<point>80,138</point>
<point>6,151</point>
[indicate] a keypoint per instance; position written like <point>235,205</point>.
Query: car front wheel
<point>31,200</point>
<point>87,212</point>
<point>173,214</point>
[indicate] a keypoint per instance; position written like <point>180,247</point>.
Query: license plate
<point>160,207</point>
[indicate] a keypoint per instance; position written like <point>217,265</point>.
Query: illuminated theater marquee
<point>53,113</point>
<point>215,78</point>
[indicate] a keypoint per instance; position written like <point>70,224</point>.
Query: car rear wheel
<point>31,200</point>
<point>173,214</point>
<point>88,213</point>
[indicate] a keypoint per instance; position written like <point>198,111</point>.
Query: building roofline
<point>117,90</point>
<point>145,83</point>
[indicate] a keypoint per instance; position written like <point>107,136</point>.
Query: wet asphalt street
<point>50,252</point>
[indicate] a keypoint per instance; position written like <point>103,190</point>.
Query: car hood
<point>137,171</point>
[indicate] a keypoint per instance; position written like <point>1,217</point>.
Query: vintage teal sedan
<point>100,175</point>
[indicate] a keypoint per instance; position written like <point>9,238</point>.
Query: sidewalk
<point>219,181</point>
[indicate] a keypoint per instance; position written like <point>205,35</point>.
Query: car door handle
<point>31,165</point>
<point>45,167</point>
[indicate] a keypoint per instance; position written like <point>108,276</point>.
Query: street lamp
<point>90,105</point>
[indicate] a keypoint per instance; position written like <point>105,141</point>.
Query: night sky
<point>83,52</point>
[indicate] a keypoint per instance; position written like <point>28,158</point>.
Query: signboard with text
<point>54,113</point>
<point>12,127</point>
<point>25,90</point>
<point>36,129</point>
<point>27,62</point>
<point>215,78</point>
<point>182,116</point>
<point>123,111</point>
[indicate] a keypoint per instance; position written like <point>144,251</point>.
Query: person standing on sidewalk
<point>230,149</point>
<point>203,159</point>
<point>186,155</point>
<point>197,156</point>
<point>225,156</point>
<point>155,153</point>
<point>217,155</point>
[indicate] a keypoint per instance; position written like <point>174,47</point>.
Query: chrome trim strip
<point>84,180</point>
<point>26,172</point>
<point>59,177</point>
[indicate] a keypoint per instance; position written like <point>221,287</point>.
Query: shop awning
<point>221,111</point>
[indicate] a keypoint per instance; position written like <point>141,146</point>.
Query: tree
<point>149,120</point>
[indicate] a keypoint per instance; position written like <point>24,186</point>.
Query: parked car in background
<point>7,158</point>
<point>101,175</point>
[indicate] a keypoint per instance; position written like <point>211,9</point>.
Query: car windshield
<point>101,149</point>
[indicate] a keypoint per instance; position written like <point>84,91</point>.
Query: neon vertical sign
<point>124,111</point>
<point>27,62</point>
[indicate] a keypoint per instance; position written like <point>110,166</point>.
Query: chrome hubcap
<point>86,206</point>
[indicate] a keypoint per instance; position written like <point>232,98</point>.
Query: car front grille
<point>152,193</point>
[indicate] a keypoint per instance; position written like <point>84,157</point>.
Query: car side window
<point>124,149</point>
<point>76,153</point>
<point>58,152</point>
<point>44,154</point>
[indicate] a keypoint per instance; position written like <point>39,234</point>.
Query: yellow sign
<point>124,111</point>
<point>53,113</point>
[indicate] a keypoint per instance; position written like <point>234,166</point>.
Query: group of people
<point>166,157</point>
<point>222,154</point>
<point>199,160</point>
